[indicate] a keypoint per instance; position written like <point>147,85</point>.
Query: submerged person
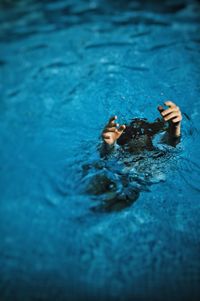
<point>134,146</point>
<point>138,135</point>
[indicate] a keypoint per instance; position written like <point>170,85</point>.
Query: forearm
<point>174,134</point>
<point>174,131</point>
<point>171,140</point>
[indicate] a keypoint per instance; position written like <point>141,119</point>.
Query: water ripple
<point>190,172</point>
<point>109,44</point>
<point>13,93</point>
<point>118,184</point>
<point>52,66</point>
<point>132,68</point>
<point>10,35</point>
<point>150,6</point>
<point>159,47</point>
<point>141,34</point>
<point>58,64</point>
<point>135,68</point>
<point>140,20</point>
<point>36,47</point>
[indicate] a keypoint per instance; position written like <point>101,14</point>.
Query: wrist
<point>174,130</point>
<point>108,145</point>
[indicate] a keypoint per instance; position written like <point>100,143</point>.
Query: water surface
<point>66,67</point>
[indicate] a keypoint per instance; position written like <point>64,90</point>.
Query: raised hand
<point>173,116</point>
<point>112,131</point>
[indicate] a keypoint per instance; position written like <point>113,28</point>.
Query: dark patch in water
<point>89,11</point>
<point>140,20</point>
<point>196,41</point>
<point>172,69</point>
<point>13,93</point>
<point>158,47</point>
<point>140,34</point>
<point>158,7</point>
<point>2,63</point>
<point>149,21</point>
<point>11,36</point>
<point>74,89</point>
<point>155,6</point>
<point>58,65</point>
<point>60,11</point>
<point>191,49</point>
<point>161,46</point>
<point>36,47</point>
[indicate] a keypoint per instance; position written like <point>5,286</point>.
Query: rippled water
<point>66,67</point>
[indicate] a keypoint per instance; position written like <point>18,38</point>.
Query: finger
<point>108,141</point>
<point>107,130</point>
<point>112,119</point>
<point>112,125</point>
<point>160,108</point>
<point>178,119</point>
<point>121,128</point>
<point>170,110</point>
<point>170,104</point>
<point>171,116</point>
<point>106,136</point>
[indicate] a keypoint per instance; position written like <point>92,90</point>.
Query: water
<point>66,67</point>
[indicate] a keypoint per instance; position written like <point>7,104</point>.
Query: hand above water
<point>173,116</point>
<point>112,131</point>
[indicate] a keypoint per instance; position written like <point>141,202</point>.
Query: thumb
<point>160,109</point>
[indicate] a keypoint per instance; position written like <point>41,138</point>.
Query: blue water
<point>66,67</point>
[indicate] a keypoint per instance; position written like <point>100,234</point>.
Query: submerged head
<point>138,134</point>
